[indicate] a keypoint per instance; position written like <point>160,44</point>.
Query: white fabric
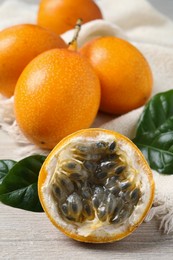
<point>148,30</point>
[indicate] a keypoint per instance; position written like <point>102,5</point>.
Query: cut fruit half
<point>96,186</point>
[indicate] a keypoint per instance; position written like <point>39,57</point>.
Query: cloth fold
<point>147,29</point>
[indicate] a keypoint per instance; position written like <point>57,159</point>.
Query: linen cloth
<point>143,26</point>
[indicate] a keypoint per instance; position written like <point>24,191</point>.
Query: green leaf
<point>19,187</point>
<point>154,135</point>
<point>5,167</point>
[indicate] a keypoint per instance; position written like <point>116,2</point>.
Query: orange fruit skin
<point>93,132</point>
<point>125,75</point>
<point>61,15</point>
<point>18,46</point>
<point>57,93</point>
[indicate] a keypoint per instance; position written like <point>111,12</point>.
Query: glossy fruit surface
<point>61,15</point>
<point>57,93</point>
<point>96,186</point>
<point>19,44</point>
<point>125,75</point>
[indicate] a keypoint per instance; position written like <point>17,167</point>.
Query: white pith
<point>96,227</point>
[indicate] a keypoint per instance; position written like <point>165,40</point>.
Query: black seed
<point>119,169</point>
<point>63,182</point>
<point>66,183</point>
<point>101,175</point>
<point>64,209</point>
<point>102,213</point>
<point>70,218</point>
<point>98,190</point>
<point>135,195</point>
<point>125,185</point>
<point>71,166</point>
<point>82,148</point>
<point>77,185</point>
<point>111,182</point>
<point>115,219</point>
<point>86,192</point>
<point>114,190</point>
<point>75,176</point>
<point>107,165</point>
<point>126,196</point>
<point>110,157</point>
<point>90,166</point>
<point>99,196</point>
<point>112,146</point>
<point>111,203</point>
<point>74,207</point>
<point>118,208</point>
<point>130,208</point>
<point>101,145</point>
<point>112,185</point>
<point>56,191</point>
<point>126,211</point>
<point>88,209</point>
<point>124,214</point>
<point>96,202</point>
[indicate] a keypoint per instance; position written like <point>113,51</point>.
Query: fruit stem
<point>73,44</point>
